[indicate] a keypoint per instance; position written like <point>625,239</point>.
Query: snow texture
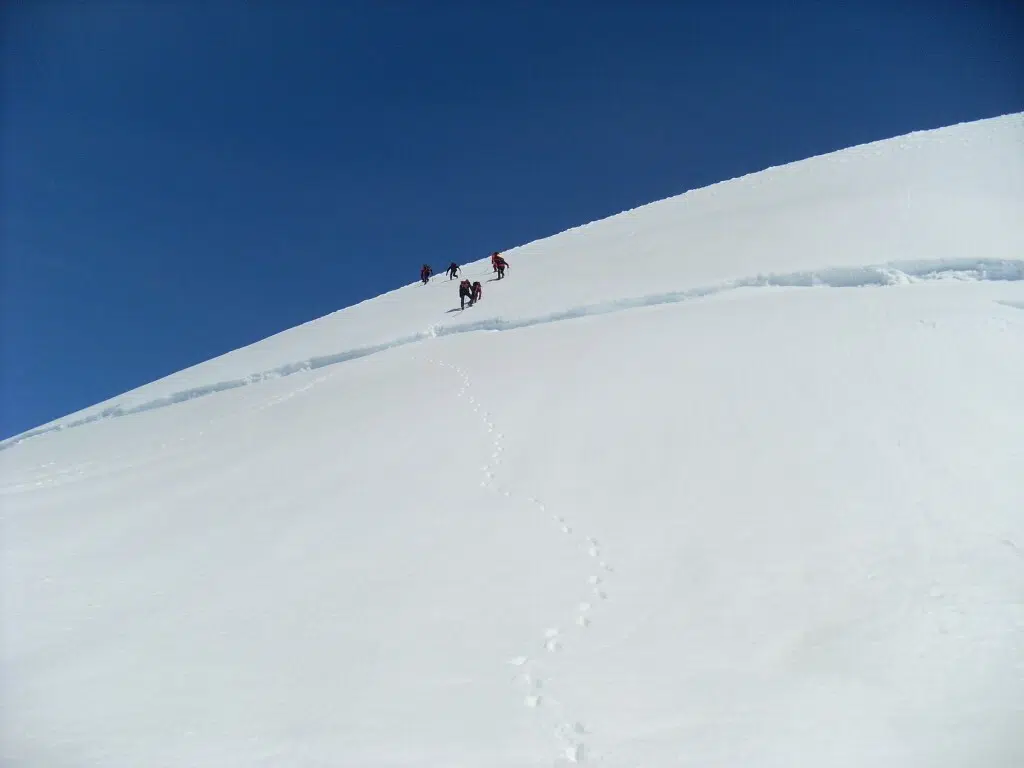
<point>738,483</point>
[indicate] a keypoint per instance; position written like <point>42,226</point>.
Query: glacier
<point>731,479</point>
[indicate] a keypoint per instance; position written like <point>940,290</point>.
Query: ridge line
<point>893,273</point>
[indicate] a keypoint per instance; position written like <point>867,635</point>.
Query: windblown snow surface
<point>734,479</point>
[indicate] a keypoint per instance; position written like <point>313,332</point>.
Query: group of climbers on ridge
<point>473,291</point>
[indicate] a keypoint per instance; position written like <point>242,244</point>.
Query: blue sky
<point>181,178</point>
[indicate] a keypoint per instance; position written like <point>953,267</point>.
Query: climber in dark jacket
<point>465,292</point>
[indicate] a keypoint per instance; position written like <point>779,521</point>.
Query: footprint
<point>533,682</point>
<point>533,701</point>
<point>584,606</point>
<point>566,529</point>
<point>594,551</point>
<point>564,732</point>
<point>592,541</point>
<point>595,580</point>
<point>518,661</point>
<point>600,593</point>
<point>553,642</point>
<point>583,621</point>
<point>606,567</point>
<point>574,753</point>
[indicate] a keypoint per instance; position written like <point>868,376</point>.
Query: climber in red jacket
<point>500,265</point>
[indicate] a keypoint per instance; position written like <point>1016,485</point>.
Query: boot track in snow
<point>531,678</point>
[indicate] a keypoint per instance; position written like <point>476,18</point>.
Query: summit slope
<point>740,485</point>
<point>937,201</point>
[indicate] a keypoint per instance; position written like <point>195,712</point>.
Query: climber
<point>425,273</point>
<point>453,270</point>
<point>500,265</point>
<point>494,261</point>
<point>478,292</point>
<point>465,292</point>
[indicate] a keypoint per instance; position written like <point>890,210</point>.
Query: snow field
<point>774,521</point>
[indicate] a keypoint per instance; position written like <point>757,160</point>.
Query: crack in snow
<point>895,273</point>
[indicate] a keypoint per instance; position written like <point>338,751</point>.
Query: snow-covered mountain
<point>733,479</point>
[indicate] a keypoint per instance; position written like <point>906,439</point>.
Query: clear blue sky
<point>180,179</point>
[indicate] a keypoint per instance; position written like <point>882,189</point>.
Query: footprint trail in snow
<point>567,732</point>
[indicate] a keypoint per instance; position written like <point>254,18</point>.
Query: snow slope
<point>929,201</point>
<point>738,483</point>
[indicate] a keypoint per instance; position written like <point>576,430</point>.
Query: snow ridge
<point>893,273</point>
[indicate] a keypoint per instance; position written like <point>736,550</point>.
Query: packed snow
<point>734,479</point>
